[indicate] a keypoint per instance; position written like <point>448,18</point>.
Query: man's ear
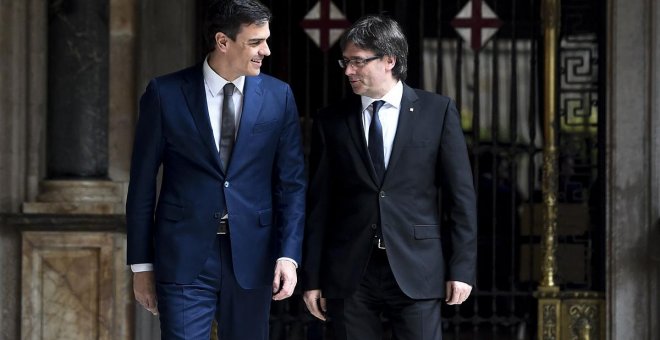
<point>221,41</point>
<point>390,62</point>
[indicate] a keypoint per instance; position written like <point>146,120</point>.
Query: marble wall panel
<point>74,286</point>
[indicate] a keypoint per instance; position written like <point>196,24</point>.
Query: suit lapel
<point>195,94</point>
<point>356,128</point>
<point>409,107</point>
<point>252,102</point>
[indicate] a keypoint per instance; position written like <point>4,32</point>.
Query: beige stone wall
<point>147,38</point>
<point>22,103</point>
<point>22,113</point>
<point>123,104</point>
<point>166,43</point>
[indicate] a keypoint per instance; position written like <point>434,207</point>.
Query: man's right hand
<point>144,288</point>
<point>315,303</point>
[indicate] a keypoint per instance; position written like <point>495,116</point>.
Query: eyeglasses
<point>356,62</point>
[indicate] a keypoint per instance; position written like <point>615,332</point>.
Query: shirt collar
<point>393,97</point>
<point>215,83</point>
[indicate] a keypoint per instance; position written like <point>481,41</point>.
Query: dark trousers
<point>187,310</point>
<point>360,316</point>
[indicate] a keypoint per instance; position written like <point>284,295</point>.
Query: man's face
<point>372,79</point>
<point>246,53</point>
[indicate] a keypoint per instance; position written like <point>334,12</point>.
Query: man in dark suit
<point>225,236</point>
<point>380,164</point>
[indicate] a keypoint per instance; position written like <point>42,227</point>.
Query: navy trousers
<point>187,310</point>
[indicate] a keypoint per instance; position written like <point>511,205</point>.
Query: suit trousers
<point>360,316</point>
<point>187,310</point>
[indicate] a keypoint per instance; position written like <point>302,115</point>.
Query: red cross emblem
<point>476,23</point>
<point>324,24</point>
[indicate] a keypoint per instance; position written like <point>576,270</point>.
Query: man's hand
<point>315,303</point>
<point>457,292</point>
<point>144,288</point>
<point>285,280</point>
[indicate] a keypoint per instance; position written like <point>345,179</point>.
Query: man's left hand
<point>457,292</point>
<point>285,280</point>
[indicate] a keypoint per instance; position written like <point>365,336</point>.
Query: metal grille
<point>498,91</point>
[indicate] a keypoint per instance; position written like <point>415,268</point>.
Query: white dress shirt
<point>214,84</point>
<point>388,114</point>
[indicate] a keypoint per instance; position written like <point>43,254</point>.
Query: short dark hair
<point>383,36</point>
<point>227,16</point>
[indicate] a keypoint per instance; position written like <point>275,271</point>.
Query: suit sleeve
<point>145,161</point>
<point>290,182</point>
<point>317,205</point>
<point>459,198</point>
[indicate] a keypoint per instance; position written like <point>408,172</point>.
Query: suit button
<point>226,184</point>
<point>373,226</point>
<point>382,194</point>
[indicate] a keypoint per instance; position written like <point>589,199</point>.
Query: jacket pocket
<point>170,211</point>
<point>422,232</point>
<point>265,126</point>
<point>265,217</point>
<point>418,143</point>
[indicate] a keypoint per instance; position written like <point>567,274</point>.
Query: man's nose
<point>349,70</point>
<point>265,51</point>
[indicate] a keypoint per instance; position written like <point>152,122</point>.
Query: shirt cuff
<point>143,267</point>
<point>288,259</point>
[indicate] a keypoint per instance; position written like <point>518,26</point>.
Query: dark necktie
<point>228,129</point>
<point>376,150</point>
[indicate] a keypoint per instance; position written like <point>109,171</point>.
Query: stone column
<point>77,139</point>
<point>77,113</point>
<point>633,187</point>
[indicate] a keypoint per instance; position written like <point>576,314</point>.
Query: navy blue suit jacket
<point>263,189</point>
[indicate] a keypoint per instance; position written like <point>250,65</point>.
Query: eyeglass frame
<point>356,62</point>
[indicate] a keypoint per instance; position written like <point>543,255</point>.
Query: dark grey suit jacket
<point>345,203</point>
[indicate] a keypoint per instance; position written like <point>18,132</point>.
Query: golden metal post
<point>551,12</point>
<point>570,314</point>
<point>549,300</point>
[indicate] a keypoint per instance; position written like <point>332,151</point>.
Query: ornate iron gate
<point>500,89</point>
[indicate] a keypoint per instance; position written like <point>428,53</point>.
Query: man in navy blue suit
<point>224,236</point>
